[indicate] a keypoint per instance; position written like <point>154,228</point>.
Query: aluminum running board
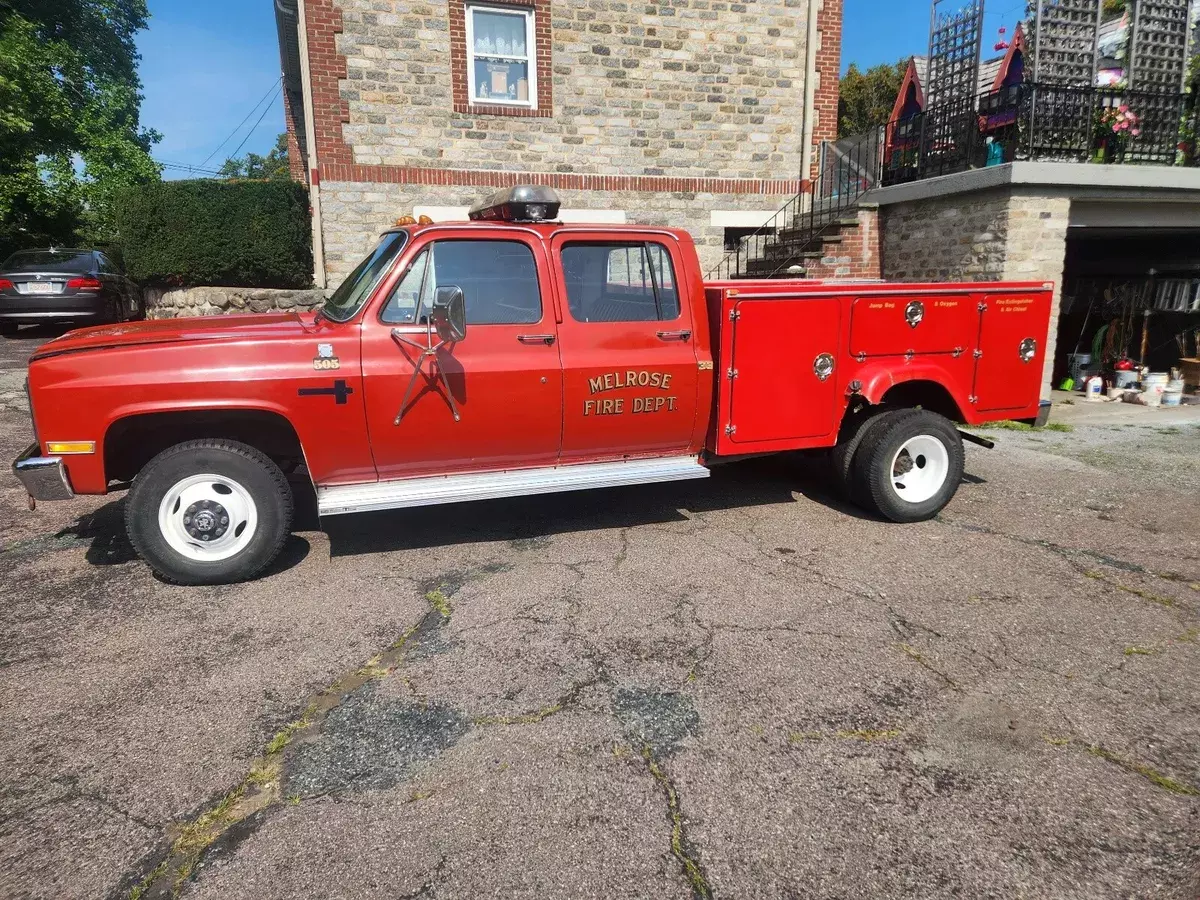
<point>341,499</point>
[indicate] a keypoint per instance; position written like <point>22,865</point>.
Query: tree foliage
<point>1114,8</point>
<point>70,135</point>
<point>272,166</point>
<point>249,233</point>
<point>866,98</point>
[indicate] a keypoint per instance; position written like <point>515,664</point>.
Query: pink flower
<point>1135,131</point>
<point>1124,107</point>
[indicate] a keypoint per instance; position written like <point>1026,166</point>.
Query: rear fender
<point>952,375</point>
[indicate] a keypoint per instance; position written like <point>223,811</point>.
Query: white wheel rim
<point>207,517</point>
<point>919,468</point>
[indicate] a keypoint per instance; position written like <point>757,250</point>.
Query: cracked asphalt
<point>736,688</point>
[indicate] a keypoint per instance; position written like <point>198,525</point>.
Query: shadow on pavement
<point>760,482</point>
<point>109,543</point>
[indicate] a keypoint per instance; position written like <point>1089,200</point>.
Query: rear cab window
<point>620,282</point>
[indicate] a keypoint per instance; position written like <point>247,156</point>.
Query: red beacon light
<point>523,203</point>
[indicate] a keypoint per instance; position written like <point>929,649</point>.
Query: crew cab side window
<point>620,282</point>
<point>498,280</point>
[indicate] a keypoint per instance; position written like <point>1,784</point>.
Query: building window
<point>501,56</point>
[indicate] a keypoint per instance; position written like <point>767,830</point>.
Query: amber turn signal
<point>424,220</point>
<point>406,220</point>
<point>65,448</point>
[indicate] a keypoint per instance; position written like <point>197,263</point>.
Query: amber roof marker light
<point>523,203</point>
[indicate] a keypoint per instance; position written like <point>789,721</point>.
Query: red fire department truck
<point>515,355</point>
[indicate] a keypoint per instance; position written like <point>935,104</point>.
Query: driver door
<point>504,377</point>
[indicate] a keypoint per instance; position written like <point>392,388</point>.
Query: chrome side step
<point>340,499</point>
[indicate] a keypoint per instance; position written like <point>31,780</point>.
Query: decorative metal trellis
<point>955,40</point>
<point>1158,45</point>
<point>1065,38</point>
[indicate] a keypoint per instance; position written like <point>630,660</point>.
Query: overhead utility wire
<point>273,86</point>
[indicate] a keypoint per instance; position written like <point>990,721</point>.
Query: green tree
<point>273,166</point>
<point>866,98</point>
<point>70,135</point>
<point>1114,8</point>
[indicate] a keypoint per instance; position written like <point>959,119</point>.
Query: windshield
<point>354,291</point>
<point>80,261</point>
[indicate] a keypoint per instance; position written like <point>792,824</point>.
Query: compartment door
<point>1005,377</point>
<point>896,324</point>
<point>779,391</point>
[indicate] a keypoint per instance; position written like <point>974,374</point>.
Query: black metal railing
<point>846,169</point>
<point>1037,122</point>
<point>1020,122</point>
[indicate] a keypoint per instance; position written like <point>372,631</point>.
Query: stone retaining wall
<point>215,301</point>
<point>1001,234</point>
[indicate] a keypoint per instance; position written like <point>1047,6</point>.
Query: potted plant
<point>1112,130</point>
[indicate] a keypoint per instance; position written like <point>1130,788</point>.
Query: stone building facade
<point>702,114</point>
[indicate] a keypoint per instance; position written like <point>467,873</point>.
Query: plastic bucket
<point>1173,393</point>
<point>1156,379</point>
<point>1126,378</point>
<point>1077,364</point>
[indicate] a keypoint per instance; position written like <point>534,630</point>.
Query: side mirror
<point>449,313</point>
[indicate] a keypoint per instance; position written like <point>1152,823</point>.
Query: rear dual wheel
<point>905,464</point>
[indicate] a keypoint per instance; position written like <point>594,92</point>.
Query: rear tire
<point>209,512</point>
<point>909,465</point>
<point>843,453</point>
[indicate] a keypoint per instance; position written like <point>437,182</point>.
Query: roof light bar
<point>523,203</point>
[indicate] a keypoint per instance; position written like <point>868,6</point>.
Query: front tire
<point>209,512</point>
<point>909,465</point>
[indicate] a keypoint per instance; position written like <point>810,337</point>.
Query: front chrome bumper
<point>45,477</point>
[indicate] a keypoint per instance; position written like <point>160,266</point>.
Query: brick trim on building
<point>829,67</point>
<point>561,180</point>
<point>542,36</point>
<point>327,68</point>
<point>297,160</point>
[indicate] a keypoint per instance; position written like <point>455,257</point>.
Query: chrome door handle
<point>674,335</point>
<point>546,339</point>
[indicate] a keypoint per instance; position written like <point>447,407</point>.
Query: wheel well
<point>132,442</point>
<point>907,395</point>
<point>924,395</point>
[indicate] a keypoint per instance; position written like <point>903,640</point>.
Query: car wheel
<point>909,465</point>
<point>209,512</point>
<point>8,329</point>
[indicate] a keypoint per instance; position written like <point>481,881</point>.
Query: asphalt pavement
<point>735,688</point>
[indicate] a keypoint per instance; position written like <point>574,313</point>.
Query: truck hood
<point>237,327</point>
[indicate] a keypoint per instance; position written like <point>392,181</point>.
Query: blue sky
<point>204,67</point>
<point>877,31</point>
<point>206,64</point>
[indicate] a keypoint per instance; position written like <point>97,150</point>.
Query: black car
<point>76,287</point>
